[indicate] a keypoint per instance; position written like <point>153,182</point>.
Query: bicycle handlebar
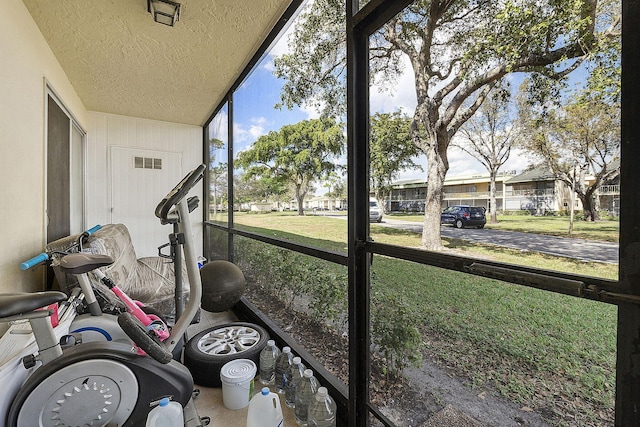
<point>45,256</point>
<point>179,192</point>
<point>34,261</point>
<point>92,230</point>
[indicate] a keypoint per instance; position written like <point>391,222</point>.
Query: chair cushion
<point>149,280</point>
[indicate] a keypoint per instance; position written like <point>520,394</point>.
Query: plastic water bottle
<point>294,373</point>
<point>322,410</point>
<point>306,389</point>
<point>166,414</point>
<point>268,357</point>
<point>265,410</point>
<point>282,366</point>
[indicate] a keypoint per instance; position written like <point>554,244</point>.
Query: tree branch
<point>461,118</point>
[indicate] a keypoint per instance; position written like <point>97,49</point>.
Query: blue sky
<point>254,113</point>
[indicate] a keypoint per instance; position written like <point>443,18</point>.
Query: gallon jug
<point>265,410</point>
<point>166,414</point>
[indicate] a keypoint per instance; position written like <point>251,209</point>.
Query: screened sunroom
<point>105,108</point>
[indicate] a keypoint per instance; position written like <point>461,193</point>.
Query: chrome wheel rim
<point>228,340</point>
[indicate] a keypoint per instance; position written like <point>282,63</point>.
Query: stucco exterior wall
<point>26,62</point>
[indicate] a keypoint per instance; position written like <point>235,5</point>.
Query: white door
<point>139,181</point>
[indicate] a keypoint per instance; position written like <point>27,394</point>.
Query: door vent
<point>147,163</point>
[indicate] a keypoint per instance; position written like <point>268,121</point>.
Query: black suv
<point>464,216</point>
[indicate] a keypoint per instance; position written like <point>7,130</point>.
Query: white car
<point>375,211</point>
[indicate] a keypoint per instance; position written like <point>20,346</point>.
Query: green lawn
<point>607,230</point>
<point>331,233</point>
<point>538,348</point>
<point>549,352</point>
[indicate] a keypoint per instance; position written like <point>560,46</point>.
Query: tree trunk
<point>381,204</point>
<point>493,212</point>
<point>437,171</point>
<point>300,199</point>
<point>588,207</point>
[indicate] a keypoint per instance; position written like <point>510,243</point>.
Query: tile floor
<point>209,402</point>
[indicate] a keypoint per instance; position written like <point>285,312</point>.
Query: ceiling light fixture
<point>165,12</point>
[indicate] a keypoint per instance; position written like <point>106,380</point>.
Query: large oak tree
<point>457,49</point>
<point>298,154</point>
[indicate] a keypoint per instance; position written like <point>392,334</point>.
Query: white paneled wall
<point>106,131</point>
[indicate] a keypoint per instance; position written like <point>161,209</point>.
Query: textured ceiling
<point>120,61</point>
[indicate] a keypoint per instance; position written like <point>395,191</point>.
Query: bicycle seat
<point>83,263</point>
<point>12,304</point>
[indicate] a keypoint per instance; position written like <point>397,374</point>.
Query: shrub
<point>308,284</point>
<point>296,279</point>
<point>394,332</point>
<point>521,212</point>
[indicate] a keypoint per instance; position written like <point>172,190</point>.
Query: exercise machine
<point>105,383</point>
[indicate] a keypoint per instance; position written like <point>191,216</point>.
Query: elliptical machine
<point>105,383</point>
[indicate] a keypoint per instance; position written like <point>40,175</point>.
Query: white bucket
<point>237,383</point>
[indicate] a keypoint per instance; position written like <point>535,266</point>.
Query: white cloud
<point>218,128</point>
<point>268,64</point>
<point>311,112</point>
<point>460,163</point>
<point>400,96</point>
<point>243,136</point>
<point>280,46</point>
<point>256,131</point>
<point>257,128</point>
<point>518,161</point>
<point>240,135</point>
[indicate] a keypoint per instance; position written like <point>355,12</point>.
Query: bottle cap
<point>271,343</point>
<point>308,373</point>
<point>164,401</point>
<point>286,349</point>
<point>322,393</point>
<point>297,360</point>
<point>265,391</point>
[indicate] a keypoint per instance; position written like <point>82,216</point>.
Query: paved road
<point>585,250</point>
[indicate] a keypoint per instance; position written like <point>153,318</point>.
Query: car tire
<point>208,351</point>
<point>481,226</point>
<point>459,223</point>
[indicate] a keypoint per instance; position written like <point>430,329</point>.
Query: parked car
<point>375,211</point>
<point>461,216</point>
